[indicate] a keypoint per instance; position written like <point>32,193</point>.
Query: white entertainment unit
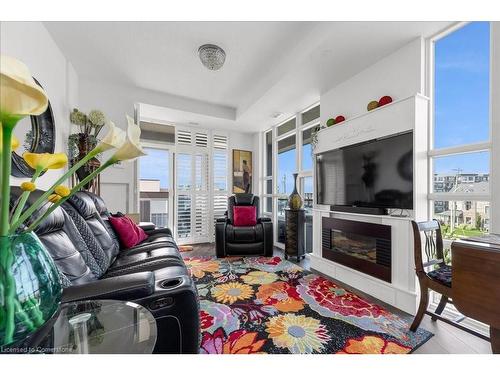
<point>408,114</point>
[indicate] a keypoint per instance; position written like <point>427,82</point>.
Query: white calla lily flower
<point>113,139</point>
<point>19,94</point>
<point>131,148</point>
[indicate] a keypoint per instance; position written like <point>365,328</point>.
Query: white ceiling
<point>270,66</point>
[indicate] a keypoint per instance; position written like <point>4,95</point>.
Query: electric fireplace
<point>365,247</point>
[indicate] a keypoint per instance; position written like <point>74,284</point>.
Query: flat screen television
<point>378,173</point>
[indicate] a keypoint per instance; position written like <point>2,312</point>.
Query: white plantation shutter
<point>201,183</point>
<point>183,194</point>
<point>183,137</point>
<point>183,171</point>
<point>219,176</point>
<point>201,198</point>
<point>201,140</point>
<point>183,216</point>
<point>202,209</point>
<point>220,141</point>
<point>220,205</point>
<point>201,172</point>
<point>220,170</point>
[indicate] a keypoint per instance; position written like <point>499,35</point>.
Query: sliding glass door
<point>155,186</point>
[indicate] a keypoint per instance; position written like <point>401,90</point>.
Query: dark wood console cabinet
<point>295,232</point>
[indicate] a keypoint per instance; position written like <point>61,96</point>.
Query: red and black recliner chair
<point>250,240</point>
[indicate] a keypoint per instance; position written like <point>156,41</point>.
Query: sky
<point>462,82</point>
<point>286,167</point>
<point>155,166</point>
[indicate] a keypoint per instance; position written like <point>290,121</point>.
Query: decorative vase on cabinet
<point>295,200</point>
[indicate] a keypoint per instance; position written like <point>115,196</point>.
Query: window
<point>154,183</point>
<point>460,156</point>
<point>286,165</point>
<point>307,155</point>
<point>267,182</point>
<point>462,173</point>
<point>458,221</point>
<point>269,153</point>
<point>310,115</point>
<point>462,86</point>
<point>284,179</point>
<point>287,149</point>
<point>268,206</point>
<point>287,127</point>
<point>310,124</point>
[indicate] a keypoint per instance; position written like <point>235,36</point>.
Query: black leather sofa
<point>251,240</point>
<point>92,265</point>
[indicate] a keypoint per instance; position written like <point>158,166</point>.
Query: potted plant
<point>30,288</point>
<point>79,144</point>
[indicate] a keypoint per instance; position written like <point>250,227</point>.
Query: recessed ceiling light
<point>212,56</point>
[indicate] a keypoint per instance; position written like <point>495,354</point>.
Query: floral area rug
<point>270,305</point>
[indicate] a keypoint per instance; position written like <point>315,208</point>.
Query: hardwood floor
<point>446,339</point>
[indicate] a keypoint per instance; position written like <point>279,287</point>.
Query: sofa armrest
<point>220,236</point>
<point>126,287</point>
<point>141,248</point>
<point>146,225</point>
<point>267,226</point>
<point>158,231</point>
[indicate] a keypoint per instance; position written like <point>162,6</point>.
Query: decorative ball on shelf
<point>330,122</point>
<point>339,119</point>
<point>384,100</point>
<point>372,105</point>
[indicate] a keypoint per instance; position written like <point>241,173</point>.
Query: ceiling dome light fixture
<point>212,56</point>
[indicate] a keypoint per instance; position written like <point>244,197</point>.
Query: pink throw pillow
<point>244,216</point>
<point>128,232</point>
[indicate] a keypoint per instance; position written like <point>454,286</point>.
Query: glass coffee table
<point>101,327</point>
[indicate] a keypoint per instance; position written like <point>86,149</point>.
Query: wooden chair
<point>434,273</point>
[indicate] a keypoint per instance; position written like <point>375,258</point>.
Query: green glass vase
<point>30,288</point>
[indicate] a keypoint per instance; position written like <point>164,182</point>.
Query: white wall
<point>31,43</point>
<point>244,141</point>
<point>118,184</point>
<point>257,163</point>
<point>399,75</point>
